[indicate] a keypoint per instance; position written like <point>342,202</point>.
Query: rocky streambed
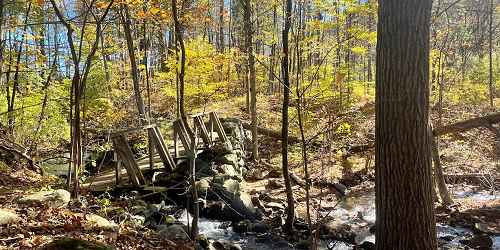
<point>234,217</point>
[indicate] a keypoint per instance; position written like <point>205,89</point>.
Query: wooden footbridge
<point>128,169</point>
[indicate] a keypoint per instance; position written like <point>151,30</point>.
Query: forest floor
<point>472,152</point>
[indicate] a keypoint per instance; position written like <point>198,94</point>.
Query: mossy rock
<point>75,244</point>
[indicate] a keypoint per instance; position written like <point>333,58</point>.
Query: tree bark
<point>290,211</point>
<point>490,55</point>
<point>438,170</point>
<point>251,68</point>
<point>220,40</point>
<point>180,41</point>
<point>404,204</point>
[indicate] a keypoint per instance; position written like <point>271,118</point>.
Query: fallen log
<point>480,179</point>
<point>462,126</point>
<point>270,133</point>
<point>18,151</point>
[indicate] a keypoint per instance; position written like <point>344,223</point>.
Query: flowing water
<point>358,211</point>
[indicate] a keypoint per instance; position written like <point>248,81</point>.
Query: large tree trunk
<point>290,214</point>
<point>405,211</point>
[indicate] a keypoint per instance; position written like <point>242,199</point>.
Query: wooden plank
<point>182,134</point>
<point>162,149</point>
<point>118,169</point>
<point>130,130</point>
<point>218,127</point>
<point>198,123</point>
<point>125,154</point>
<point>176,145</point>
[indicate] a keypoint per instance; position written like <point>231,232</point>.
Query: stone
<point>8,217</point>
<point>225,245</point>
<point>273,184</point>
<point>241,163</point>
<point>373,229</point>
<point>260,228</point>
<point>246,199</point>
<point>202,186</point>
<point>203,242</point>
<point>340,188</point>
<point>52,198</point>
<point>173,232</point>
<point>254,174</point>
<point>96,222</point>
<point>338,230</point>
<point>228,170</point>
<point>274,173</point>
<point>137,220</point>
<point>231,159</point>
<point>303,244</point>
<point>69,243</point>
<point>481,242</point>
<point>203,169</point>
<point>283,244</point>
<point>232,186</point>
<point>242,226</point>
<point>366,246</point>
<point>275,205</point>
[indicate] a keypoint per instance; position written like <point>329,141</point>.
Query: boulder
<point>303,244</point>
<point>95,222</point>
<point>273,184</point>
<point>52,198</point>
<point>202,186</point>
<point>229,170</point>
<point>8,217</point>
<point>69,243</point>
<point>233,206</point>
<point>232,186</point>
<point>242,226</point>
<point>365,246</point>
<point>338,231</point>
<point>274,173</point>
<point>481,242</point>
<point>231,159</point>
<point>225,245</point>
<point>275,205</point>
<point>202,242</point>
<point>260,228</point>
<point>254,174</point>
<point>235,132</point>
<point>173,232</point>
<point>137,220</point>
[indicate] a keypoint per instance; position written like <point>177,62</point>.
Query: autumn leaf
<point>154,10</point>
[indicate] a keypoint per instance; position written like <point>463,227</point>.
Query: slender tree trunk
<point>15,87</point>
<point>251,66</point>
<point>301,104</point>
<point>221,27</point>
<point>438,170</point>
<point>2,42</point>
<point>404,204</point>
<point>284,126</point>
<point>490,54</point>
<point>180,41</point>
<point>133,64</point>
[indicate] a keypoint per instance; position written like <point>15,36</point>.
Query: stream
<point>359,211</point>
